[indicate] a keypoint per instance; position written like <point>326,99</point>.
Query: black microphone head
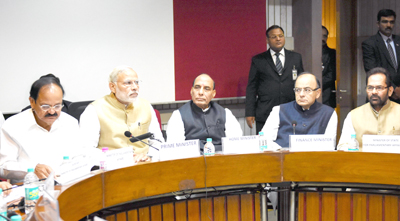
<point>128,134</point>
<point>294,123</point>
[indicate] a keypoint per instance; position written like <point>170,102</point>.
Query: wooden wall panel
<point>180,211</point>
<point>247,212</point>
<point>313,206</point>
<point>121,216</point>
<point>328,206</point>
<point>233,208</point>
<point>193,210</point>
<point>110,218</point>
<point>374,207</point>
<point>219,208</point>
<point>329,20</point>
<point>300,206</point>
<point>391,207</point>
<point>206,209</point>
<point>156,213</point>
<point>168,211</point>
<point>359,207</point>
<point>133,215</point>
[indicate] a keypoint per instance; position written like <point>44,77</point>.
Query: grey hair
<point>116,71</point>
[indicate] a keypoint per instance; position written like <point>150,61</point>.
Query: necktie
<point>278,64</point>
<point>391,52</point>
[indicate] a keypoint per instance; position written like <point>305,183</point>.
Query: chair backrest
<point>75,109</point>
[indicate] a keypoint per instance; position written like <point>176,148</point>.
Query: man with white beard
<point>104,121</point>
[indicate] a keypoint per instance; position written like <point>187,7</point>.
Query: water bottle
<point>209,149</point>
<point>263,141</point>
<point>31,190</point>
<point>353,144</point>
<point>103,163</point>
<point>65,160</point>
<point>3,206</point>
<point>16,218</point>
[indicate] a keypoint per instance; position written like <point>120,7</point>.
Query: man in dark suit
<point>383,50</point>
<point>271,78</point>
<point>328,71</point>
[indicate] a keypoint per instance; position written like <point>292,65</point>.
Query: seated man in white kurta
<point>39,137</point>
<point>104,121</point>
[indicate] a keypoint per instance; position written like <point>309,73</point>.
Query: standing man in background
<point>383,50</point>
<point>271,78</point>
<point>328,71</point>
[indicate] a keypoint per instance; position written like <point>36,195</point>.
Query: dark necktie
<point>278,64</point>
<point>391,52</point>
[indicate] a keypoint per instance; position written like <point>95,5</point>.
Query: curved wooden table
<point>117,187</point>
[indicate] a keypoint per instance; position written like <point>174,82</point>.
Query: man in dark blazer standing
<point>383,50</point>
<point>271,78</point>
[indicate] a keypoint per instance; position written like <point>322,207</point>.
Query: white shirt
<point>271,127</point>
<point>176,128</point>
<point>90,128</point>
<point>347,131</point>
<point>281,56</point>
<point>24,144</point>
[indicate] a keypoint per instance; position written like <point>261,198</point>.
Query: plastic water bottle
<point>353,144</point>
<point>103,163</point>
<point>31,190</point>
<point>209,149</point>
<point>263,141</point>
<point>3,206</point>
<point>16,218</point>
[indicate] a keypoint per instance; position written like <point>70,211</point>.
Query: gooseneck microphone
<point>294,124</point>
<point>134,139</point>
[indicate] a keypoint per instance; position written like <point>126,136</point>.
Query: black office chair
<point>75,109</point>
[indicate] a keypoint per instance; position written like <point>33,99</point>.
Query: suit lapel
<point>382,46</point>
<point>396,41</point>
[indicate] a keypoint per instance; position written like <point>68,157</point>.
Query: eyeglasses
<point>46,107</point>
<point>276,36</point>
<point>377,88</point>
<point>306,90</point>
<point>130,83</point>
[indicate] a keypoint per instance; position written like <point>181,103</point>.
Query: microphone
<point>134,139</point>
<point>141,137</point>
<point>294,124</point>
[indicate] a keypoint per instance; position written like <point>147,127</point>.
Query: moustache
<point>388,28</point>
<point>374,96</point>
<point>51,115</point>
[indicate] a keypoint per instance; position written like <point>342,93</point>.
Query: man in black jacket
<point>383,50</point>
<point>271,78</point>
<point>328,71</point>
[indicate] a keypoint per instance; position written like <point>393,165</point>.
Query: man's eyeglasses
<point>130,83</point>
<point>377,88</point>
<point>46,107</point>
<point>306,90</point>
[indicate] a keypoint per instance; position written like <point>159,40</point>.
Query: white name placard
<point>119,158</point>
<point>381,143</point>
<point>239,145</point>
<point>314,142</point>
<point>74,169</point>
<point>179,150</point>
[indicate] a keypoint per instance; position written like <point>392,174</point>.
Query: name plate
<point>381,143</point>
<point>74,169</point>
<point>119,158</point>
<point>240,145</point>
<point>179,150</point>
<point>314,142</point>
